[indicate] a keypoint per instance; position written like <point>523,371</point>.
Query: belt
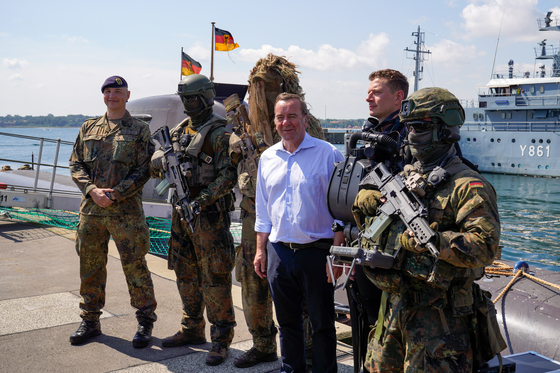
<point>323,243</point>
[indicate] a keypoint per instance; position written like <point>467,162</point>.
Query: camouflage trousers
<point>414,340</point>
<point>203,262</point>
<point>132,238</point>
<point>257,302</point>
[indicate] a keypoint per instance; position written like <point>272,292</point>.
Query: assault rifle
<point>175,176</point>
<point>401,202</point>
<point>237,113</point>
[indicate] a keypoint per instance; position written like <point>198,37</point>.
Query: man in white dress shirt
<point>294,224</point>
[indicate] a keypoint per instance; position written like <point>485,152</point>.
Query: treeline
<point>42,121</point>
<point>77,120</point>
<point>342,123</point>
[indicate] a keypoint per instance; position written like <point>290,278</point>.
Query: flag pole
<point>212,55</point>
<point>181,70</point>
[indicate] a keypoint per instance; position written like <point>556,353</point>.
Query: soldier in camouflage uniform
<point>203,259</point>
<point>110,164</point>
<point>427,303</point>
<point>269,77</point>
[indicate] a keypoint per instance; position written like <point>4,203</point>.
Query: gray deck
<point>39,295</point>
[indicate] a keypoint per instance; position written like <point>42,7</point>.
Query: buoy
<point>521,266</point>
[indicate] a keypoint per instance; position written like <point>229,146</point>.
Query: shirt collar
<point>307,142</point>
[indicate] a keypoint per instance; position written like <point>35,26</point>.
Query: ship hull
<point>521,151</point>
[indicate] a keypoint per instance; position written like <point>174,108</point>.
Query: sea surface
<point>529,207</point>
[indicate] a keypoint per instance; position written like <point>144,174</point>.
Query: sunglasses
<point>419,125</point>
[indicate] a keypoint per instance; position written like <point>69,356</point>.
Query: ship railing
<point>554,21</point>
<point>37,165</point>
<point>546,100</point>
<point>548,126</point>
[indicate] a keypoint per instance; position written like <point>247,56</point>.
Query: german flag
<point>190,66</point>
<point>224,40</point>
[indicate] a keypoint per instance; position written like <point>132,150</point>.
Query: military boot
<point>143,335</point>
<point>253,357</point>
<point>86,330</point>
<point>217,354</point>
<point>181,339</point>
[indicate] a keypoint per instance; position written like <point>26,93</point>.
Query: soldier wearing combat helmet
<point>427,304</point>
<point>203,258</point>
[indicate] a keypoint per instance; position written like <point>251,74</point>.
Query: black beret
<point>114,82</point>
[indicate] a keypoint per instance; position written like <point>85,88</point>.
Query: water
<point>21,149</point>
<point>529,207</point>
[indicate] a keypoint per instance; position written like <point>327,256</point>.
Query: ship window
<point>491,140</point>
<point>508,115</point>
<point>541,89</point>
<point>540,113</point>
<point>513,165</point>
<point>540,141</point>
<point>539,167</point>
<point>499,165</point>
<point>493,164</point>
<point>499,140</point>
<point>503,115</point>
<point>547,167</point>
<point>474,116</point>
<point>532,89</point>
<point>519,165</point>
<point>474,139</point>
<point>548,141</point>
<point>512,140</point>
<point>553,113</point>
<point>468,139</point>
<point>480,116</point>
<point>533,141</point>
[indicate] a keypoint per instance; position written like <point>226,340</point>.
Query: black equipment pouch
<point>487,340</point>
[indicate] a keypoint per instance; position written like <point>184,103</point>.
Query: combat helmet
<point>198,86</point>
<point>433,103</point>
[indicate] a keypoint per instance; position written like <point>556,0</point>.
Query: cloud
<point>450,53</point>
<point>328,58</point>
<point>15,63</point>
<point>15,77</point>
<point>199,53</point>
<point>76,39</point>
<point>516,18</point>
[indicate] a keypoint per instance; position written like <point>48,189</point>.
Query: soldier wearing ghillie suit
<point>270,77</point>
<point>203,258</point>
<point>427,308</point>
<point>110,164</point>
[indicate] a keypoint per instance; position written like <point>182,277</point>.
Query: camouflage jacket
<point>118,159</point>
<point>216,144</point>
<point>466,210</point>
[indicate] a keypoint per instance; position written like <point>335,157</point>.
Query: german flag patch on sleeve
<point>475,184</point>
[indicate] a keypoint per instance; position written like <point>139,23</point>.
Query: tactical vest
<point>417,277</point>
<point>198,153</point>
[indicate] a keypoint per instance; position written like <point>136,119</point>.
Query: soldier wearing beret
<point>110,164</point>
<point>427,308</point>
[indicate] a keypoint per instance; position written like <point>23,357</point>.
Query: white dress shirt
<point>291,195</point>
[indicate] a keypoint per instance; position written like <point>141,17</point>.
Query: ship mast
<point>420,55</point>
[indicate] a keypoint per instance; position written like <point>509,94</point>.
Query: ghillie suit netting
<point>271,76</point>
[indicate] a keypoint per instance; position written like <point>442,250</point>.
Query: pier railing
<point>36,166</point>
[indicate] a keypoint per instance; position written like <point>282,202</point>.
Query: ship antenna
<point>497,42</point>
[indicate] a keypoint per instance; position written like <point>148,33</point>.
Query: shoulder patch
<point>476,184</point>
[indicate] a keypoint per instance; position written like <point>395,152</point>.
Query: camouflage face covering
<point>270,77</point>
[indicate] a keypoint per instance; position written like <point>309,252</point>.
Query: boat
<point>514,126</point>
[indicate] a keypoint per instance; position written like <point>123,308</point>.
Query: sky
<point>55,55</point>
